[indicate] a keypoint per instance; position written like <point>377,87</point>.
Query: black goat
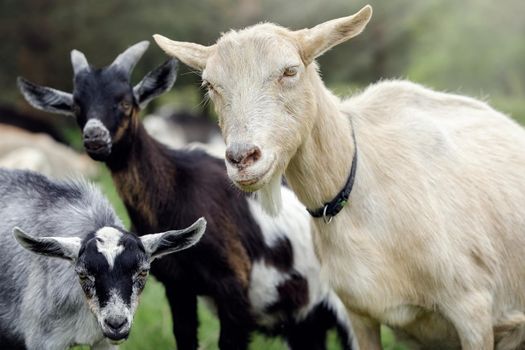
<point>261,273</point>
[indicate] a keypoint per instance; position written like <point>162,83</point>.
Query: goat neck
<point>138,164</point>
<point>320,167</point>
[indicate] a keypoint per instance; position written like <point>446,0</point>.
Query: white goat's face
<point>112,267</point>
<point>261,82</point>
<point>259,99</point>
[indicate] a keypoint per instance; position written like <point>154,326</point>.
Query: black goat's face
<point>103,101</point>
<point>112,266</point>
<point>104,105</point>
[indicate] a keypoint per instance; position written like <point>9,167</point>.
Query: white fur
<point>293,223</point>
<point>270,196</point>
<point>263,291</point>
<point>108,244</point>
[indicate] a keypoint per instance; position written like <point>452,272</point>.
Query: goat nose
<point>242,154</point>
<point>93,133</point>
<point>115,323</point>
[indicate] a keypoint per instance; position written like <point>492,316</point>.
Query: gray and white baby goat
<point>42,306</point>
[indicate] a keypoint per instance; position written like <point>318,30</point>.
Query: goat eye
<point>75,109</point>
<point>290,72</point>
<point>143,273</point>
<point>83,277</point>
<point>125,106</point>
<point>207,85</point>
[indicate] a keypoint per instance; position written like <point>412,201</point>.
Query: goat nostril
<point>115,323</point>
<point>233,157</point>
<point>251,156</point>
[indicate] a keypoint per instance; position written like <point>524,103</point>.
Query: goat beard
<point>270,197</point>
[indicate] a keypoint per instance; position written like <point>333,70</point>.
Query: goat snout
<point>116,327</point>
<point>242,155</point>
<point>95,133</point>
<point>115,323</point>
<point>97,141</point>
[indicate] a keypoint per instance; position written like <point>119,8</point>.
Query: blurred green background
<point>473,47</point>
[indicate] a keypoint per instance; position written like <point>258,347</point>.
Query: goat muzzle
<point>242,155</point>
<point>116,328</point>
<point>97,142</point>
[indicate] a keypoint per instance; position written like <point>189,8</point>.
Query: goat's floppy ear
<point>156,82</point>
<point>193,55</point>
<point>46,98</point>
<point>159,244</point>
<point>56,247</point>
<point>319,39</point>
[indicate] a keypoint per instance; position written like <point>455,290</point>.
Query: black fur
<point>121,275</point>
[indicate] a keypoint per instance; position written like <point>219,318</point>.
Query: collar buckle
<point>327,219</point>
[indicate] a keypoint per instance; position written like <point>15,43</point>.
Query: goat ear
<point>321,38</point>
<point>156,82</point>
<point>193,55</point>
<point>56,247</point>
<point>159,244</point>
<point>45,98</point>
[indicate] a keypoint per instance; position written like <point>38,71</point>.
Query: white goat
<point>20,149</point>
<point>432,240</point>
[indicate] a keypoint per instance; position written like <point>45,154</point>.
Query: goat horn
<point>79,61</point>
<point>127,60</point>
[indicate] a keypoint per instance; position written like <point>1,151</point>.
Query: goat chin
<point>270,198</point>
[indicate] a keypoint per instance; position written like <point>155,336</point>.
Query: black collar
<point>332,208</point>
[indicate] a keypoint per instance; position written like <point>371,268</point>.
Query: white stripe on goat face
<point>108,244</point>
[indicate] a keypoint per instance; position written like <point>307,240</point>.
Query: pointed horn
<point>127,60</point>
<point>79,61</point>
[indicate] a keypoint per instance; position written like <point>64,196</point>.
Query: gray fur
<point>45,98</point>
<point>41,297</point>
<point>153,85</point>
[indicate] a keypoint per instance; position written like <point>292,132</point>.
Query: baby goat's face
<point>103,104</point>
<point>112,266</point>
